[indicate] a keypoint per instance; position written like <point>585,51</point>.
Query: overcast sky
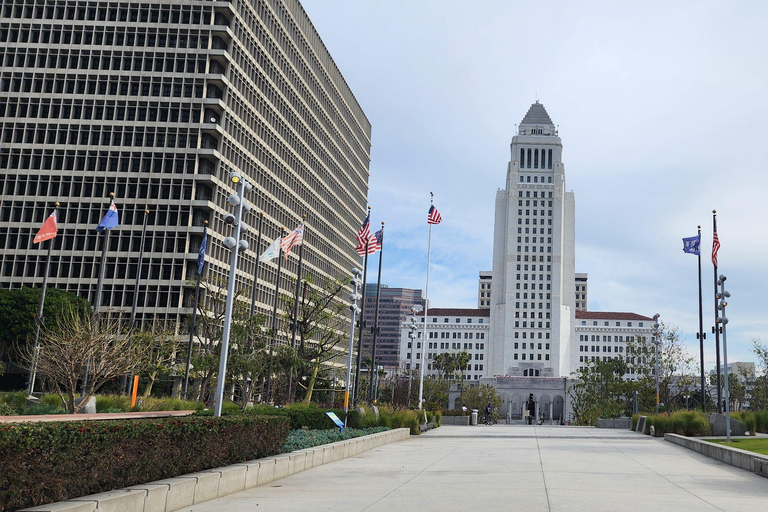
<point>661,108</point>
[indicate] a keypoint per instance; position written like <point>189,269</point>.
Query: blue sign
<point>336,420</point>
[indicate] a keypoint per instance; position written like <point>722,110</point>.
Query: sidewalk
<point>509,467</point>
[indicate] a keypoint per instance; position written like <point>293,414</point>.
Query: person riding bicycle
<point>488,413</point>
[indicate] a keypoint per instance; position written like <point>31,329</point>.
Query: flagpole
<point>99,287</point>
<point>127,382</point>
<point>298,282</point>
<point>701,330</point>
<point>371,392</point>
<point>716,328</point>
<point>39,318</point>
<point>254,293</point>
<point>274,318</point>
<point>194,322</point>
<point>361,324</point>
<point>426,310</point>
<point>361,328</point>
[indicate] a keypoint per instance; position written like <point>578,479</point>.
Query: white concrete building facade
<point>533,296</point>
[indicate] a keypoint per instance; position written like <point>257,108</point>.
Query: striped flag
<point>290,241</point>
<point>379,236</point>
<point>715,243</point>
<point>49,229</point>
<point>434,217</point>
<point>365,240</point>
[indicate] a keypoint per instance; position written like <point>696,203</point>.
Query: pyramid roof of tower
<point>537,115</point>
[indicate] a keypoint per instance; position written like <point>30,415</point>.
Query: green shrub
<point>150,403</point>
<point>302,439</point>
<point>48,462</point>
<point>686,423</point>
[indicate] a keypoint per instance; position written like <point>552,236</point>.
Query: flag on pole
<point>110,220</point>
<point>49,229</point>
<point>201,254</point>
<point>295,238</point>
<point>691,245</point>
<point>272,252</point>
<point>365,239</point>
<point>379,235</point>
<point>715,244</point>
<point>434,217</point>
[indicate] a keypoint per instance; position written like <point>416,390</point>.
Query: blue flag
<point>201,254</point>
<point>110,220</point>
<point>691,245</point>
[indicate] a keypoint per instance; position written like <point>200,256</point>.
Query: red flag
<point>715,244</point>
<point>49,229</point>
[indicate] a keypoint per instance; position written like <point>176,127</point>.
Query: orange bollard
<point>135,390</point>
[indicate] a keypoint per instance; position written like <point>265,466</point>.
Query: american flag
<point>434,217</point>
<point>715,243</point>
<point>290,241</point>
<point>365,239</point>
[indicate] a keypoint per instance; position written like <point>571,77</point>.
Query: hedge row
<point>302,439</point>
<point>47,462</point>
<point>685,423</point>
<point>309,417</point>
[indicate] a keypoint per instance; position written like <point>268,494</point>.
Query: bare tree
<point>79,343</point>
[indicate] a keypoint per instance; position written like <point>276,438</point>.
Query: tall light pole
<point>234,244</point>
<point>722,319</point>
<point>354,308</point>
<point>656,343</point>
<point>412,335</point>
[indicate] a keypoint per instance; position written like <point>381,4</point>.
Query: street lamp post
<point>355,309</point>
<point>656,343</point>
<point>722,319</point>
<point>412,336</point>
<point>234,244</point>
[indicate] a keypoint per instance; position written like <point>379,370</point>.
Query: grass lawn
<point>752,445</point>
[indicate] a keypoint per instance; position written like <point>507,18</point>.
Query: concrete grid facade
<point>159,102</point>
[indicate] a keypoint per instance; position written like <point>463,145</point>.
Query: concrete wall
<point>733,456</point>
<point>187,490</point>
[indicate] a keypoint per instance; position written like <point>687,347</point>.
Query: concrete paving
<point>510,467</point>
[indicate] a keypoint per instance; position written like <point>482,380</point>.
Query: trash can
<point>473,417</point>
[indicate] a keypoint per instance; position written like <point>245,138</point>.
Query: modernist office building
<point>394,307</point>
<point>159,102</point>
<point>533,294</point>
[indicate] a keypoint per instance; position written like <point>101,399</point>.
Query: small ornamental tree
<point>80,345</point>
<point>478,397</point>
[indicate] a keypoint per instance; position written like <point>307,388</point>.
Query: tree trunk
<point>311,385</point>
<point>148,387</point>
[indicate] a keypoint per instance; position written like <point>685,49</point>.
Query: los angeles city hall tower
<point>158,102</point>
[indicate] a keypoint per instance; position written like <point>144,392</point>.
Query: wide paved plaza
<point>518,468</point>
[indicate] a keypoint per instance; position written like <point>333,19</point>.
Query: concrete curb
<point>743,459</point>
<point>186,490</point>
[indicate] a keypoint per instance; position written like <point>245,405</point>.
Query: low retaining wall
<point>743,459</point>
<point>454,420</point>
<point>187,490</point>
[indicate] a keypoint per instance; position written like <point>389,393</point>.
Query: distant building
<point>602,335</point>
<point>484,289</point>
<point>449,331</point>
<point>395,305</point>
<point>582,292</point>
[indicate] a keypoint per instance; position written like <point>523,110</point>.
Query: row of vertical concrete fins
<point>187,490</point>
<point>743,459</point>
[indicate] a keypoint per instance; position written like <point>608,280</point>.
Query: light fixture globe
<point>234,177</point>
<point>230,242</point>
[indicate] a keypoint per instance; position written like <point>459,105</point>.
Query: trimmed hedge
<point>302,439</point>
<point>47,462</point>
<point>304,416</point>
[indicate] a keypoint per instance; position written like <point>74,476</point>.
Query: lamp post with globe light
<point>234,244</point>
<point>656,343</point>
<point>723,320</point>
<point>355,309</point>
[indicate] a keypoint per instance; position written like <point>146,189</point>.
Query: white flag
<point>272,252</point>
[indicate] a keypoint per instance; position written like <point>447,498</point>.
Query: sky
<point>661,108</point>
